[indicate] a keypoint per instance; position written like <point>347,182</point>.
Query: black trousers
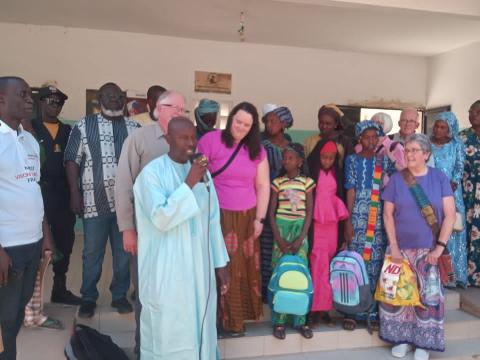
<point>17,293</point>
<point>62,224</point>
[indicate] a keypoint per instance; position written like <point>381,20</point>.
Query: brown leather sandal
<point>349,324</point>
<point>306,332</point>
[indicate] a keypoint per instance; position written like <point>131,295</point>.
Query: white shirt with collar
<point>21,203</point>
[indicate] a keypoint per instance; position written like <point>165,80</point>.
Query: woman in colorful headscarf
<point>329,117</point>
<point>276,119</point>
<point>364,174</point>
<point>206,116</point>
<point>471,191</point>
<point>449,154</point>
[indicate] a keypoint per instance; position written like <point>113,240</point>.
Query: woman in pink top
<point>243,189</point>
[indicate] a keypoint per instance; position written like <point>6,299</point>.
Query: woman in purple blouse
<point>410,237</point>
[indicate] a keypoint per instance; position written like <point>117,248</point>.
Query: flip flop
<point>51,323</point>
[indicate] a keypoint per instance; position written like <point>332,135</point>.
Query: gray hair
<point>422,140</point>
<point>166,94</point>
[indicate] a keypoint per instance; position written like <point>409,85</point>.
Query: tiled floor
<point>45,344</point>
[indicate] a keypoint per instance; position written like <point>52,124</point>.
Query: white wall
<point>454,78</point>
<point>302,79</point>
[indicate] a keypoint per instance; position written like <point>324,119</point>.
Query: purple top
<point>236,185</point>
<point>412,229</point>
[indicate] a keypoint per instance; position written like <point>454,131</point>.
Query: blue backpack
<point>290,288</point>
<point>350,286</point>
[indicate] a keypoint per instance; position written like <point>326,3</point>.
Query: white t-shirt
<point>21,203</point>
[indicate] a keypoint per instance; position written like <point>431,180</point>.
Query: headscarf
<point>452,122</point>
<point>284,115</point>
<point>205,106</point>
<point>329,147</point>
<point>268,108</point>
<point>367,124</point>
<point>337,110</point>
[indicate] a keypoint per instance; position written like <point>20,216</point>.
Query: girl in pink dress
<point>329,211</point>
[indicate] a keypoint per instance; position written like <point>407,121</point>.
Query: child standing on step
<point>329,211</point>
<point>290,214</point>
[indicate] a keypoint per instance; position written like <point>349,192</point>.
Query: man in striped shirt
<point>91,159</point>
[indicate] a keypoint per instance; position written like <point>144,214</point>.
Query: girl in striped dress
<point>291,204</point>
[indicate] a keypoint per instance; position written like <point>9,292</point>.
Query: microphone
<point>202,158</point>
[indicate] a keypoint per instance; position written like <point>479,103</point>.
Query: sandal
<point>51,323</point>
<point>279,332</point>
<point>349,324</point>
<point>306,332</point>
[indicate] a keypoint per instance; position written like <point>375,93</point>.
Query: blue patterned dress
<point>275,157</point>
<point>471,196</point>
<point>359,176</point>
<point>449,158</point>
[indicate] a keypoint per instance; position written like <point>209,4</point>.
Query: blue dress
<point>449,158</point>
<point>359,176</point>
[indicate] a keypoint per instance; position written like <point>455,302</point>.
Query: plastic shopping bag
<point>397,284</point>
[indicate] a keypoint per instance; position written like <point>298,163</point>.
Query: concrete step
<point>47,344</point>
<point>470,300</point>
<point>259,341</point>
<point>452,302</point>
<point>455,350</point>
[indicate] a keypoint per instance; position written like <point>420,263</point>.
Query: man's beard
<point>111,113</point>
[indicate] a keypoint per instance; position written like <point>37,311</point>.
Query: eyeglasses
<point>410,122</point>
<point>53,101</point>
<point>413,151</point>
<point>177,108</point>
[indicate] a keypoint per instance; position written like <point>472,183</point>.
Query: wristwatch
<point>441,243</point>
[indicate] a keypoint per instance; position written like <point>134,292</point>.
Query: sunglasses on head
<point>54,101</point>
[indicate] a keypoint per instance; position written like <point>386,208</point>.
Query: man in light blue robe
<point>181,252</point>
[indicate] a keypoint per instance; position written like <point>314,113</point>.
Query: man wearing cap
<point>206,116</point>
<point>53,135</point>
<point>148,118</point>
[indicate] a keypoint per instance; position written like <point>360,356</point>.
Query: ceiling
<point>339,25</point>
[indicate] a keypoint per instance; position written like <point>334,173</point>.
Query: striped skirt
<point>243,301</point>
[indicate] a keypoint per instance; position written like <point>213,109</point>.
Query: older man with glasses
<point>408,124</point>
<point>141,147</point>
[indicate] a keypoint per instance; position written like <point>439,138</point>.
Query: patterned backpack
<point>350,285</point>
<point>290,288</point>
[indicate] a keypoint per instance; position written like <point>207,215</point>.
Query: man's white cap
<point>267,108</point>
